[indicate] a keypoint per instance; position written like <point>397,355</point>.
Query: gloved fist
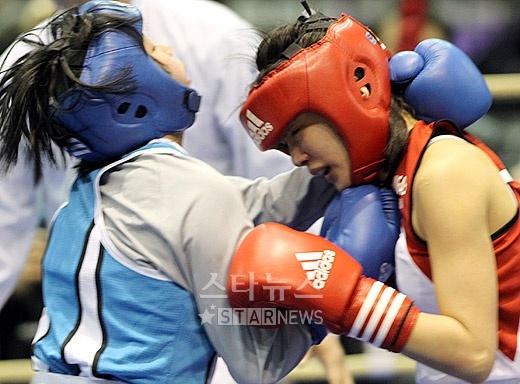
<point>365,222</point>
<point>278,267</point>
<point>441,82</point>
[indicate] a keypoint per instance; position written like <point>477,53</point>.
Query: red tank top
<point>506,243</point>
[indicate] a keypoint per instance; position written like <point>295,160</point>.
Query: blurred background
<point>488,31</point>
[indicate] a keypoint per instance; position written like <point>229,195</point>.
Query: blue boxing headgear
<point>106,125</point>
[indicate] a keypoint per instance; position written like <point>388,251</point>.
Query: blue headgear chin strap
<point>105,126</point>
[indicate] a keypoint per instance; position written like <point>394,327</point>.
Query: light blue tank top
<point>110,319</point>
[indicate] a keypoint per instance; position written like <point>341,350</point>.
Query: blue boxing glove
<point>441,82</point>
<point>365,222</point>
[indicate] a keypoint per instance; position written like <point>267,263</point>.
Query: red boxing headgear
<point>327,78</point>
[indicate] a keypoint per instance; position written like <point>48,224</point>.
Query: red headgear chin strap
<point>326,78</point>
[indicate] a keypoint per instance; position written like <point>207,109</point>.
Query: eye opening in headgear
<point>359,73</point>
<point>141,111</point>
<point>365,89</point>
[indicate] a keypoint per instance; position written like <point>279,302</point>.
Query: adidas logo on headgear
<point>257,128</point>
<point>317,265</point>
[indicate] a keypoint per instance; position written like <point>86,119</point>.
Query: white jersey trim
<point>175,150</point>
<point>87,340</point>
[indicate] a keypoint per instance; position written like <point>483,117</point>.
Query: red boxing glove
<point>278,267</point>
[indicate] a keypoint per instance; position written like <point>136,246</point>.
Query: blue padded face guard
<point>105,126</point>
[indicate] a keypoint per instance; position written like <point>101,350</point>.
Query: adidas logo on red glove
<point>317,265</point>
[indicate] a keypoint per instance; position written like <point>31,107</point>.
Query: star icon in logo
<point>206,317</point>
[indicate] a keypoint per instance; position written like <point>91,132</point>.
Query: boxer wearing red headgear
<point>354,95</point>
<point>458,251</point>
<point>354,60</point>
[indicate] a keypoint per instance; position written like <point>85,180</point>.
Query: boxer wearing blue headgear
<point>115,100</point>
<point>157,105</point>
<point>137,260</point>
